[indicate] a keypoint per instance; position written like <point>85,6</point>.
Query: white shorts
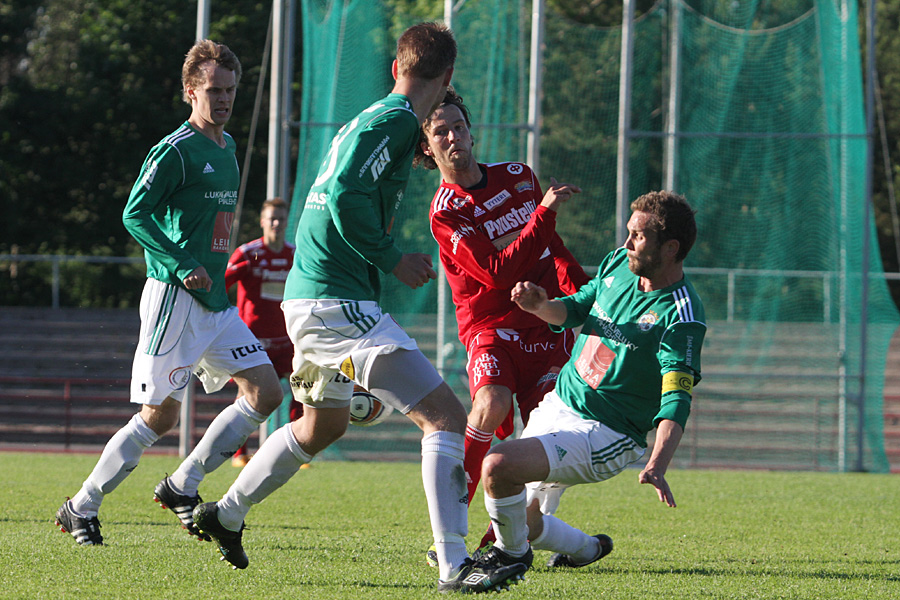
<point>579,450</point>
<point>336,344</point>
<point>180,336</point>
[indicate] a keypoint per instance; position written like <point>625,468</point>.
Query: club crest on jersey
<point>648,320</point>
<point>460,201</point>
<point>524,186</point>
<point>497,200</point>
<point>514,168</point>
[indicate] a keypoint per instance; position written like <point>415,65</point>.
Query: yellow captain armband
<point>675,381</point>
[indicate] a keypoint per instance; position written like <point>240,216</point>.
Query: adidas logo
<point>208,169</point>
<point>609,280</point>
<point>561,452</point>
<point>478,211</point>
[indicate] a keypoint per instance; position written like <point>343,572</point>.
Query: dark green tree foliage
<point>87,88</point>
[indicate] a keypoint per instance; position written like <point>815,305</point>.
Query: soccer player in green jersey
<point>632,369</point>
<point>181,210</point>
<point>342,338</point>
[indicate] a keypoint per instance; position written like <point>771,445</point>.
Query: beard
<point>645,266</point>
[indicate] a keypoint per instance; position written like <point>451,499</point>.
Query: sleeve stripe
<point>683,304</point>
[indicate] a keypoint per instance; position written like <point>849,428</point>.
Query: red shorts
<point>526,361</point>
<point>281,353</point>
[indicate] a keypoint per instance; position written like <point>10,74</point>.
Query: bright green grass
<point>359,530</point>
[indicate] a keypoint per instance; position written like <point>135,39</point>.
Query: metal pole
<point>287,98</point>
<point>203,7</point>
<point>622,194</point>
<point>442,291</point>
<point>674,94</point>
<point>867,215</point>
<point>273,173</point>
<point>843,268</point>
<point>535,82</point>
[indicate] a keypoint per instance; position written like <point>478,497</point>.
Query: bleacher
<point>64,378</point>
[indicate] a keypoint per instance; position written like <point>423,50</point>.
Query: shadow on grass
<point>788,569</point>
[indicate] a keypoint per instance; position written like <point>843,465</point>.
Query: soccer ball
<point>367,410</point>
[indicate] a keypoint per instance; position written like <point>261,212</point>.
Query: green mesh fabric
<point>770,149</point>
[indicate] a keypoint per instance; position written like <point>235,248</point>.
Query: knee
<point>495,470</point>
<point>161,419</point>
<point>266,397</point>
<point>440,410</point>
<point>314,435</point>
<point>490,406</point>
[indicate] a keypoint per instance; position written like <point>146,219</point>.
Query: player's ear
<point>426,149</point>
<point>394,69</point>
<point>670,248</point>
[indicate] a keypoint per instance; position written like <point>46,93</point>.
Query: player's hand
<point>558,193</point>
<point>198,280</point>
<point>528,296</point>
<point>414,270</point>
<point>658,480</point>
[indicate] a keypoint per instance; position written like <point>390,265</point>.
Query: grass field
<point>359,530</point>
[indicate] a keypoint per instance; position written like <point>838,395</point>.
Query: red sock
<point>477,445</point>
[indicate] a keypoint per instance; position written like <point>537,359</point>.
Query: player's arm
<point>238,268</point>
<point>679,361</point>
<point>668,436</point>
<point>533,299</point>
<point>161,174</point>
<point>473,252</point>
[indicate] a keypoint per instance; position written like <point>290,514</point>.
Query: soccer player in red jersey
<point>259,269</point>
<point>494,227</point>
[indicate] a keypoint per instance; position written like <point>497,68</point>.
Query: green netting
<point>769,147</point>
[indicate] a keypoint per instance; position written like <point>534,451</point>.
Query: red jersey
<point>260,274</point>
<point>494,235</point>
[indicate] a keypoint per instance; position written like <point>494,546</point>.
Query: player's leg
<point>122,453</point>
<point>160,373</point>
<point>491,405</point>
<point>259,394</point>
<point>278,459</point>
<point>558,449</point>
<point>228,350</point>
<point>406,380</point>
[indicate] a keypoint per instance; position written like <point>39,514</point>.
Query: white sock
<point>510,522</point>
<point>559,536</point>
<point>444,479</point>
<point>119,458</point>
<point>228,432</point>
<point>275,463</point>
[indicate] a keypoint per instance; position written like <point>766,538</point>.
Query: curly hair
<point>673,219</point>
<point>451,98</point>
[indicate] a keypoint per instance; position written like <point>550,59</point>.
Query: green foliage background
<point>87,86</point>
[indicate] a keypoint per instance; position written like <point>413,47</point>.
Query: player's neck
<point>214,132</point>
<point>423,94</point>
<point>464,178</point>
<point>274,244</point>
<point>663,279</point>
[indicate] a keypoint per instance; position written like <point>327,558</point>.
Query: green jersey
<point>344,234</point>
<point>638,354</point>
<point>181,210</point>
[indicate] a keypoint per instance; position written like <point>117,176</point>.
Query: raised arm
<point>533,299</point>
